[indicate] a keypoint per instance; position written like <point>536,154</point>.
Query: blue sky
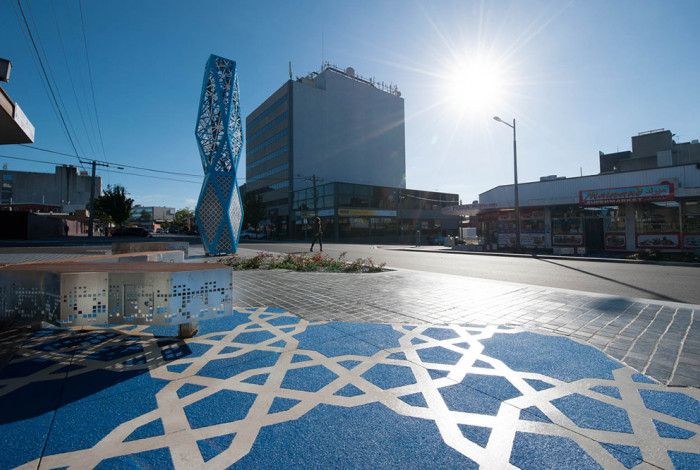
<point>579,77</point>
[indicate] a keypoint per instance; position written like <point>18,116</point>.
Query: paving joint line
<point>641,334</point>
<point>682,346</point>
<point>656,346</point>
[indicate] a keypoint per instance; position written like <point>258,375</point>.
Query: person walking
<point>318,234</point>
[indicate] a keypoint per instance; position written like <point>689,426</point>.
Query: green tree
<point>113,206</point>
<point>253,210</point>
<point>183,220</point>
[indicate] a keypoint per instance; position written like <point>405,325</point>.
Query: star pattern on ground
<point>262,378</point>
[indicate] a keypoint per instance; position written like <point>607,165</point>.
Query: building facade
<point>151,217</point>
<point>377,214</point>
<point>647,198</point>
<point>66,188</point>
<point>332,125</point>
<point>157,214</point>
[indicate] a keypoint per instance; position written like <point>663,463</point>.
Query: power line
<point>52,77</point>
<point>33,160</point>
<point>404,195</point>
<point>177,173</point>
<point>70,77</point>
<point>167,172</point>
<point>155,170</point>
<point>46,77</point>
<point>92,87</point>
<point>152,176</point>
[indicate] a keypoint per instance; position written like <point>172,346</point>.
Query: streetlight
<point>515,186</point>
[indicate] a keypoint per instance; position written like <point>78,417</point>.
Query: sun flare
<point>477,86</point>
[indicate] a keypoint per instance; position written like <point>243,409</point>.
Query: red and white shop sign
<point>612,196</point>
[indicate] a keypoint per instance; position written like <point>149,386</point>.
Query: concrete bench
<point>140,247</point>
<point>97,293</point>
<point>174,256</point>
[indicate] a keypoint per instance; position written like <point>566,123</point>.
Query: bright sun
<point>477,86</point>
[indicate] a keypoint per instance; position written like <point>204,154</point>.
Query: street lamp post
<point>515,186</point>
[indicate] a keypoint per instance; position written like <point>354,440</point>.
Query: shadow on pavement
<point>45,370</point>
<point>656,295</point>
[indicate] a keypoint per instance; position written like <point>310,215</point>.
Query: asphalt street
<point>672,283</point>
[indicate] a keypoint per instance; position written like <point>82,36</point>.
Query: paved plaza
<point>399,369</point>
<point>661,339</point>
<point>263,388</point>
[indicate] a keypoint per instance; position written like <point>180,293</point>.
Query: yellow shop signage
<point>366,213</point>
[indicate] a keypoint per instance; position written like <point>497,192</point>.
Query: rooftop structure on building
<point>651,149</point>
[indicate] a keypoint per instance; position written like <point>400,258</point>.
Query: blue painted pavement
<point>349,395</point>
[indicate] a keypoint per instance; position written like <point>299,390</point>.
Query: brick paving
<point>658,338</point>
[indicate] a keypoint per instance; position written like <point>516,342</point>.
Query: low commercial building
<point>375,214</point>
<point>655,206</point>
<point>66,188</point>
<point>151,217</point>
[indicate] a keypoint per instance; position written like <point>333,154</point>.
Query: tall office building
<point>333,125</point>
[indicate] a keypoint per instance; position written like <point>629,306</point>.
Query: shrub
<point>303,262</point>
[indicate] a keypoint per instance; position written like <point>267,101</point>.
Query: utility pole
<point>313,180</point>
<point>398,219</point>
<point>515,191</point>
<point>91,217</point>
<point>515,185</point>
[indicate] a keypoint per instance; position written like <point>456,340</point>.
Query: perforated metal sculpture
<point>219,134</point>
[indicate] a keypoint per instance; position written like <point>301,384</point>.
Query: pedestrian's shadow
<point>655,295</point>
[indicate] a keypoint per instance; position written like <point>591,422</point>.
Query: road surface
<point>673,283</point>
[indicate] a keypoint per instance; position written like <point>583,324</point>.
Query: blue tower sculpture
<point>219,213</point>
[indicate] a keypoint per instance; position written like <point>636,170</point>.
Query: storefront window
<point>567,226</point>
<point>658,217</point>
<point>658,225</point>
<point>691,217</point>
<point>691,224</point>
<point>532,228</point>
<point>613,217</point>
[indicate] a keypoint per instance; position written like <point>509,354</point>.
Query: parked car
<point>252,235</point>
<point>131,232</point>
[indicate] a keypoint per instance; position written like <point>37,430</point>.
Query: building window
<point>691,217</point>
<point>267,142</point>
<point>269,172</point>
<point>691,225</point>
<point>275,122</point>
<point>276,153</point>
<point>658,217</point>
<point>6,189</point>
<point>567,226</point>
<point>272,108</point>
<point>658,225</point>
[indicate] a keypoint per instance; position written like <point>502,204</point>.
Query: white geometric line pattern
<point>270,369</point>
